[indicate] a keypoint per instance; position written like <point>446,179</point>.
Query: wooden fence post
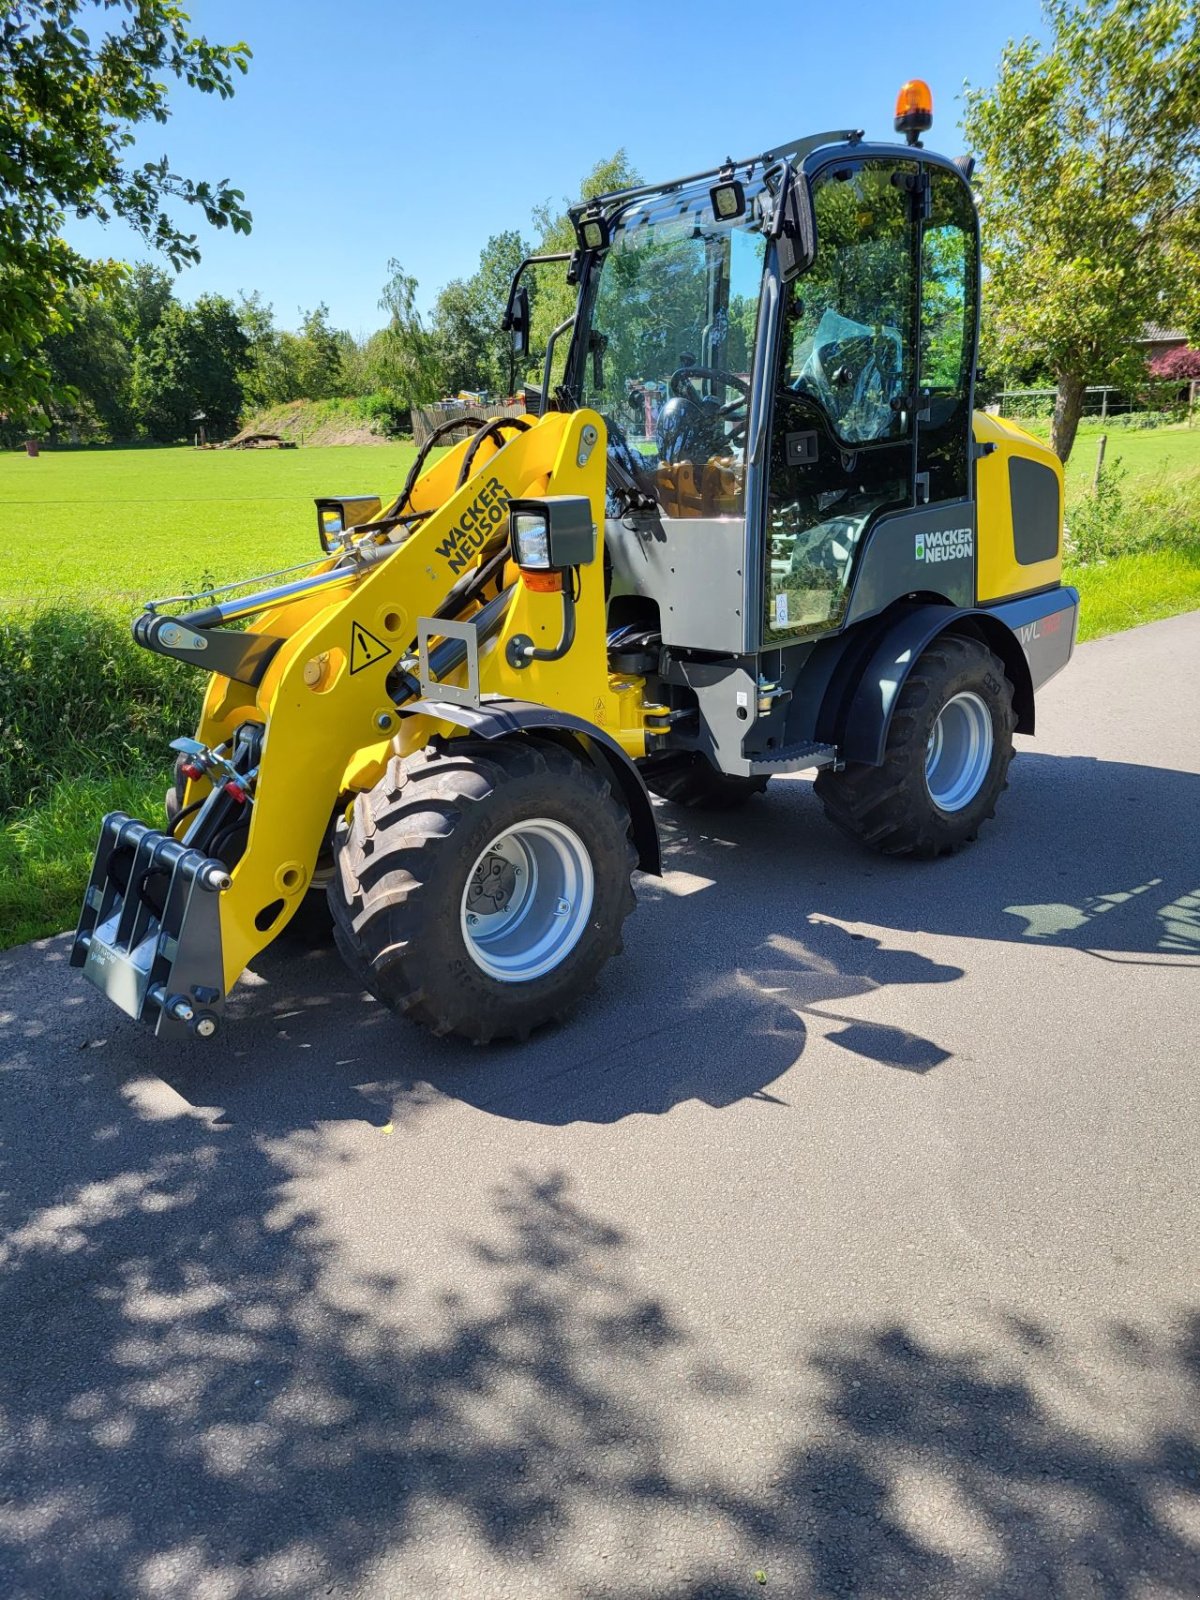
<point>1099,462</point>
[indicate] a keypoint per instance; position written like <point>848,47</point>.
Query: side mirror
<point>795,228</point>
<point>516,320</point>
<point>335,515</point>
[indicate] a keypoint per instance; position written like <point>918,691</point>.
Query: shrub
<point>1137,420</point>
<point>79,698</point>
<point>1111,521</point>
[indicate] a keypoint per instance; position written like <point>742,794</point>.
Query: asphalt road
<point>847,1238</point>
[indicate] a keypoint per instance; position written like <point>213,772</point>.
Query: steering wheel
<point>733,411</point>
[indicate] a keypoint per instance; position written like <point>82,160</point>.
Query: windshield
<point>669,355</point>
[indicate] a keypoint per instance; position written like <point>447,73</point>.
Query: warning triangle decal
<point>365,648</point>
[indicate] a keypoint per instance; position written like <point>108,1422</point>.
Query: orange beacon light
<point>914,110</point>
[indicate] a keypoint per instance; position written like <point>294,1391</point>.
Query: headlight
<point>531,540</point>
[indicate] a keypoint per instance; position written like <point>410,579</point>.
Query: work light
<point>552,534</point>
<point>592,232</point>
<point>531,540</point>
<point>728,200</point>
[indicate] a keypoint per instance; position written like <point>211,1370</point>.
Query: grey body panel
<point>693,568</point>
<point>1045,626</point>
<point>503,718</point>
<point>928,550</point>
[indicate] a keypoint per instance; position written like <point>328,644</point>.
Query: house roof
<point>1155,333</point>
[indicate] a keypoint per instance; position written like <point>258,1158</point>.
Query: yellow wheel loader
<point>748,525</point>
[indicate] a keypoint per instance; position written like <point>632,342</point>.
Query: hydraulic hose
<point>491,429</point>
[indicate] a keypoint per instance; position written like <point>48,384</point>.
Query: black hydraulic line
<point>183,814</point>
<point>472,584</point>
<point>522,650</point>
<point>490,429</point>
<point>395,510</point>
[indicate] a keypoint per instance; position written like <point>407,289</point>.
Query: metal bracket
<point>587,443</point>
<point>436,688</point>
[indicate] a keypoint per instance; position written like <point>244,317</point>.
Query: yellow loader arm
<point>344,646</point>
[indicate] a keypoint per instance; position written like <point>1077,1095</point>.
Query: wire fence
<point>1102,400</point>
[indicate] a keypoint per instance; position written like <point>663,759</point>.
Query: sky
<point>372,129</point>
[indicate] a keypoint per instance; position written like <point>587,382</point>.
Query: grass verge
<point>46,849</point>
<point>1132,589</point>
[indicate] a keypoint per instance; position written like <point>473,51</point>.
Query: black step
<point>793,758</point>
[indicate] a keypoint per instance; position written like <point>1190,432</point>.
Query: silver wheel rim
<point>959,753</point>
<point>527,900</point>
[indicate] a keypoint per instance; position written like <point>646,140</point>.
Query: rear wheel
<point>946,759</point>
<point>690,779</point>
<point>480,887</point>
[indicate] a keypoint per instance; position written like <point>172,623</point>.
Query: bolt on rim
<point>958,755</point>
<point>527,900</point>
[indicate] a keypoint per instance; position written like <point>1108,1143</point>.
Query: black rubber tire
<point>889,808</point>
<point>690,779</point>
<point>402,865</point>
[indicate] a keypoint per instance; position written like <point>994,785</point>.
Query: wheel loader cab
<point>774,423</point>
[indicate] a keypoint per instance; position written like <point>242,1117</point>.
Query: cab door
<point>949,318</point>
<point>843,436</point>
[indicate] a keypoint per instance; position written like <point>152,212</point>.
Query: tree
<point>69,108</point>
<point>472,349</point>
<point>268,377</point>
<point>192,364</point>
<point>139,297</point>
<point>459,341</point>
<point>403,357</point>
<point>318,357</point>
<point>1181,363</point>
<point>1089,164</point>
<point>90,363</point>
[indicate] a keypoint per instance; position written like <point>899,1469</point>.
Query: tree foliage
<point>129,359</point>
<point>1089,169</point>
<point>191,366</point>
<point>71,98</point>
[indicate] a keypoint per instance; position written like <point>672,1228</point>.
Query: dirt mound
<point>314,422</point>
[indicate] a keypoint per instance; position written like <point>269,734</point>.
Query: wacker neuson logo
<point>950,544</point>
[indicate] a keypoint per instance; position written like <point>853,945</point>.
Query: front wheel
<point>945,762</point>
<point>480,887</point>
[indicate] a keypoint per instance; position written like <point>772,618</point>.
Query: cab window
<point>669,355</point>
<point>949,295</point>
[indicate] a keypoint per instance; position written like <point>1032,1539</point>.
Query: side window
<point>949,293</point>
<point>851,335</point>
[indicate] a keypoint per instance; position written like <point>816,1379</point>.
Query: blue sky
<point>366,129</point>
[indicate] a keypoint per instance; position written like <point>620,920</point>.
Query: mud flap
<point>149,934</point>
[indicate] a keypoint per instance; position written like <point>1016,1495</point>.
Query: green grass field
<point>1146,456</point>
<point>135,524</point>
<point>85,716</point>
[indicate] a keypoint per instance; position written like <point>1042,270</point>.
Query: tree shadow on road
<point>1097,856</point>
<point>198,1400</point>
